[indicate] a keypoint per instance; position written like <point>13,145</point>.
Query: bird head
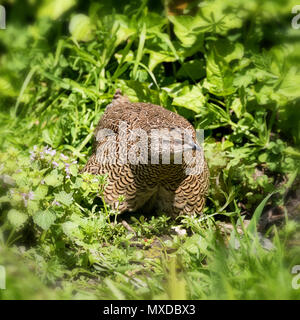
<point>169,145</point>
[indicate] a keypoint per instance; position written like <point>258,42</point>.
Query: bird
<point>151,158</point>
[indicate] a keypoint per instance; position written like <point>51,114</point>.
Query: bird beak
<point>191,146</point>
<point>196,147</point>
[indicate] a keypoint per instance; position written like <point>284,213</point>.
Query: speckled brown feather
<point>163,187</point>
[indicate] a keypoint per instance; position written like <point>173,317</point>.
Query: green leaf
<point>53,135</point>
<point>40,192</point>
<point>64,198</point>
<point>74,170</point>
<point>154,22</point>
<point>140,50</point>
<point>185,30</point>
<point>6,88</point>
<point>216,17</point>
<point>219,75</point>
<point>257,213</point>
<point>156,58</point>
<point>189,97</point>
<point>16,218</point>
<point>44,219</point>
<point>243,79</point>
<point>124,31</point>
<point>238,107</point>
<point>71,229</point>
<point>33,206</point>
<point>193,69</point>
<point>137,91</point>
<point>81,28</point>
<point>290,85</point>
<point>53,179</point>
<point>229,50</point>
<point>55,8</point>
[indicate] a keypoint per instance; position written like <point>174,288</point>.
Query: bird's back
<point>145,116</point>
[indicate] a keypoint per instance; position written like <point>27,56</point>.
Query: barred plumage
<point>166,187</point>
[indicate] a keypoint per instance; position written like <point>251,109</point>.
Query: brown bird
<point>151,157</point>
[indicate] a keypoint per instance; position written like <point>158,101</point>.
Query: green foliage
<point>231,68</point>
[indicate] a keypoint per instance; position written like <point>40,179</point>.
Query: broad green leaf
<point>243,79</point>
<point>71,229</point>
<point>184,29</point>
<point>137,91</point>
<point>216,17</point>
<point>52,135</point>
<point>193,69</point>
<point>40,192</point>
<point>44,219</point>
<point>16,218</point>
<point>212,17</point>
<point>81,28</point>
<point>238,107</point>
<point>53,179</point>
<point>124,31</point>
<point>265,94</point>
<point>6,88</point>
<point>219,79</point>
<point>227,144</point>
<point>154,22</point>
<point>64,198</point>
<point>229,50</point>
<point>189,97</point>
<point>290,85</point>
<point>74,170</point>
<point>156,58</point>
<point>33,206</point>
<point>55,8</point>
<point>21,179</point>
